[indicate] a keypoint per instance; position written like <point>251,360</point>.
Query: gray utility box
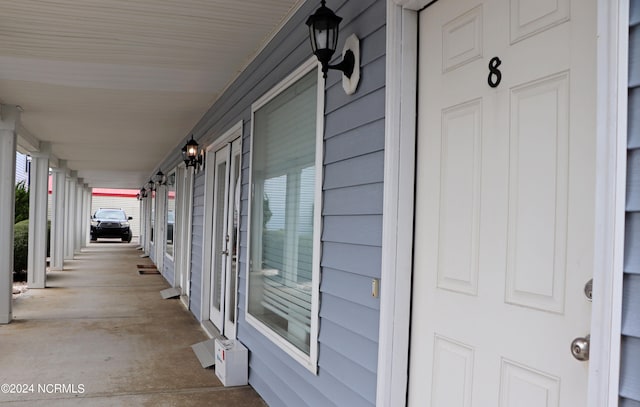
<point>232,362</point>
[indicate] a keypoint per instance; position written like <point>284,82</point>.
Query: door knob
<point>580,348</point>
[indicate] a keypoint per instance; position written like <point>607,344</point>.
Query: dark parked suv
<point>110,223</point>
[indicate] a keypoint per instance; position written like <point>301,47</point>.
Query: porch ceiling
<point>115,85</point>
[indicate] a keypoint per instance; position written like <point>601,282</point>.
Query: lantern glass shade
<point>192,148</point>
<point>323,32</point>
<point>190,152</point>
<point>158,178</point>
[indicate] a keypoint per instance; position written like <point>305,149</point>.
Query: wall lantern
<point>142,194</point>
<point>324,27</point>
<point>148,186</point>
<point>190,153</point>
<point>159,178</point>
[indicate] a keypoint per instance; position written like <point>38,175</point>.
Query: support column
<point>141,222</point>
<point>160,227</point>
<point>38,197</point>
<point>57,216</point>
<point>147,223</point>
<point>77,235</point>
<point>9,117</point>
<point>86,214</point>
<point>70,217</point>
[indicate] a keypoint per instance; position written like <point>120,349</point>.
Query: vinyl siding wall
<point>630,359</point>
<point>197,233</point>
<point>168,270</point>
<point>22,169</point>
<point>352,213</point>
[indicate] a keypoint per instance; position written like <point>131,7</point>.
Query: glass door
<point>225,242</point>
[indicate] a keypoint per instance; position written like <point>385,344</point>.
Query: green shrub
<point>21,248</point>
<point>22,202</point>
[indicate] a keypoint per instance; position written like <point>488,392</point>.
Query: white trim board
<point>402,32</point>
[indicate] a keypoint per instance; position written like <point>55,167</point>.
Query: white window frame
<point>308,361</point>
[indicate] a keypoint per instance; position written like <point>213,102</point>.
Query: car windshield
<point>113,215</point>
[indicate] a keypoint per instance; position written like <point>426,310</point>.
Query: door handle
<point>580,348</point>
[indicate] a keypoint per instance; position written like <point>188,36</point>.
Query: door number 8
<point>495,76</point>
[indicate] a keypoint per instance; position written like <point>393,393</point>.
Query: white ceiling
<point>115,85</point>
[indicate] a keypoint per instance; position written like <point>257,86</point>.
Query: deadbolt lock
<point>580,348</point>
<point>588,290</point>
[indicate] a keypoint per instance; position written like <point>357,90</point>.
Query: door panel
<point>219,241</point>
<point>225,237</point>
<point>504,203</point>
<point>233,247</point>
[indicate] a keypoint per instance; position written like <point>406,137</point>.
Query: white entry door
<point>504,226</point>
<point>224,266</point>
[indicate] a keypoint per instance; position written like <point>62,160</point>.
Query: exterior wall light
<point>190,153</point>
<point>142,194</point>
<point>324,27</point>
<point>159,178</point>
<point>148,186</point>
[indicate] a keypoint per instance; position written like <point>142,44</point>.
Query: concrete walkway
<point>101,335</point>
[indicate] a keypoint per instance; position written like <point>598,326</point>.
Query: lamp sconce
<point>324,27</point>
<point>159,178</point>
<point>148,187</point>
<point>191,155</point>
<point>142,194</point>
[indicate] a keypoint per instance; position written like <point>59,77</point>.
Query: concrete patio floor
<point>104,332</point>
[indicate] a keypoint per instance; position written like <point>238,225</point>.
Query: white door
<point>224,270</point>
<point>504,203</point>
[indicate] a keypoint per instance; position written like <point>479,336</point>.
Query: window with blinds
<point>283,213</point>
<point>171,212</point>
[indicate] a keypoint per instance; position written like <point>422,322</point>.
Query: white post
<point>70,218</point>
<point>57,216</point>
<point>38,197</point>
<point>147,223</point>
<point>77,233</point>
<point>141,222</point>
<point>160,227</point>
<point>86,214</point>
<point>9,117</point>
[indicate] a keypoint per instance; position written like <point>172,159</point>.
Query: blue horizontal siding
<point>350,345</point>
<point>361,230</point>
<point>358,259</point>
<point>633,180</point>
<point>349,286</point>
<point>630,345</point>
<point>363,140</point>
<point>168,270</point>
<point>629,372</point>
<point>361,170</point>
<point>628,403</point>
<point>362,111</point>
<point>358,200</point>
<point>633,126</point>
<point>351,316</point>
<point>197,238</point>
